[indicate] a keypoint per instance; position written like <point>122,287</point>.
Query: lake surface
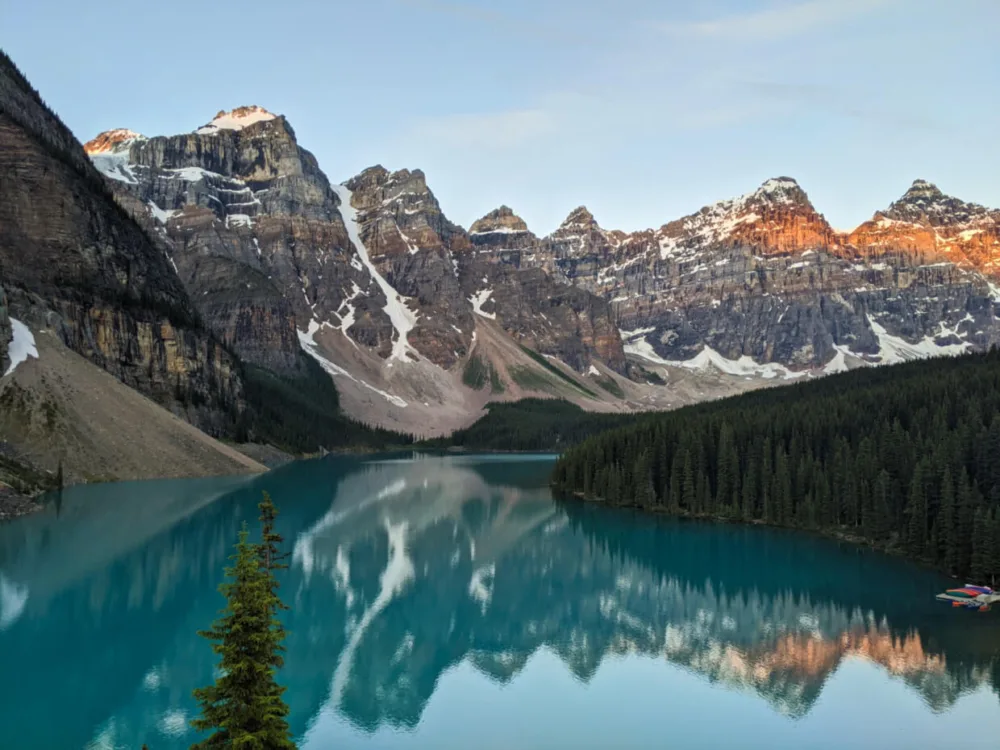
<point>451,603</point>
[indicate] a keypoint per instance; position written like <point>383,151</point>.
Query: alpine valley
<point>187,267</point>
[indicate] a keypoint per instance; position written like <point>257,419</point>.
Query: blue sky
<point>644,110</point>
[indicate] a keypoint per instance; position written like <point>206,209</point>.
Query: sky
<point>643,110</point>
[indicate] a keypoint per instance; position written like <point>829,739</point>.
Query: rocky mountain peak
<point>779,191</point>
<point>923,189</point>
<point>236,119</point>
<point>580,218</point>
<point>111,140</point>
<point>924,203</point>
<point>777,217</point>
<point>501,219</point>
<point>390,184</point>
<point>928,222</point>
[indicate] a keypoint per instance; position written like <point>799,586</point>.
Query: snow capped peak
<point>236,119</point>
<point>776,217</point>
<point>780,190</point>
<point>924,203</point>
<point>922,188</point>
<point>117,139</point>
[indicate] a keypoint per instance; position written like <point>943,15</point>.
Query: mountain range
<point>194,267</point>
<point>396,301</point>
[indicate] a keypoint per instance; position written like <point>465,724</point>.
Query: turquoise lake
<point>451,603</point>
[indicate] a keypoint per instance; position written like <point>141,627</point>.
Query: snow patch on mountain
<point>235,119</point>
<point>629,335</point>
<point>21,346</point>
<point>109,153</point>
<point>707,360</point>
<point>745,366</point>
<point>238,220</point>
<point>402,317</point>
<point>839,361</point>
<point>894,350</point>
<point>499,230</point>
<point>478,300</point>
<point>115,165</point>
<point>308,343</point>
<point>994,291</point>
<point>347,319</point>
<point>160,214</point>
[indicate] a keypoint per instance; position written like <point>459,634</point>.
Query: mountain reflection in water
<point>402,570</point>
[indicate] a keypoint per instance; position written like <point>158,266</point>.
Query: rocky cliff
<point>249,221</point>
<point>72,260</point>
<point>927,223</point>
<point>761,286</point>
<point>449,279</point>
<point>6,334</point>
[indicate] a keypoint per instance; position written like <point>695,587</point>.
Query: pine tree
<point>244,708</point>
<point>948,523</point>
<point>676,472</point>
<point>688,493</point>
<point>981,547</point>
<point>271,556</point>
<point>748,501</point>
<point>916,532</point>
<point>728,467</point>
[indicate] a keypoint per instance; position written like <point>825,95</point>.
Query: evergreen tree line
<point>531,424</point>
<point>905,457</point>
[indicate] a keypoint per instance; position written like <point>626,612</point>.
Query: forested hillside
<point>905,457</point>
<point>531,424</point>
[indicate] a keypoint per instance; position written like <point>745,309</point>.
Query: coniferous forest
<point>906,458</point>
<point>531,424</point>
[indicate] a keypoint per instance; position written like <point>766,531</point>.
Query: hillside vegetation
<point>531,424</point>
<point>906,458</point>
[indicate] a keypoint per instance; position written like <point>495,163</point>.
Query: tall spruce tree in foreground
<point>244,708</point>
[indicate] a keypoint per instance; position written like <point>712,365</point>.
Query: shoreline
<point>838,535</point>
<point>14,505</point>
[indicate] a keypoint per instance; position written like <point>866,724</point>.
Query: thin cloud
<point>775,23</point>
<point>845,104</point>
<point>567,116</point>
<point>491,130</point>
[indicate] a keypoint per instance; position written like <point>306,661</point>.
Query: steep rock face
<point>253,229</point>
<point>774,219</point>
<point>72,258</point>
<point>446,276</point>
<point>542,314</point>
<point>927,223</point>
<point>764,277</point>
<point>6,334</point>
<point>414,248</point>
<point>504,231</point>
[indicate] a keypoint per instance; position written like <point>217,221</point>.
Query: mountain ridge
<point>751,290</point>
